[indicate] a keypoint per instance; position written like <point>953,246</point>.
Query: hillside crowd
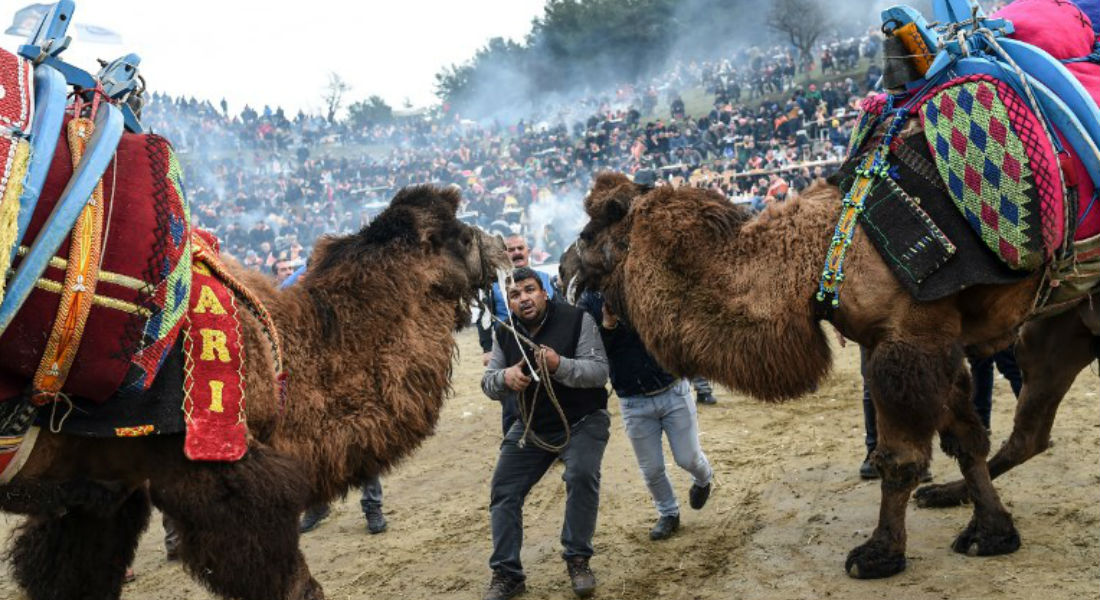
<point>258,180</point>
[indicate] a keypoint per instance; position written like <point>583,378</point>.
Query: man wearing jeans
<point>571,424</point>
<point>653,402</point>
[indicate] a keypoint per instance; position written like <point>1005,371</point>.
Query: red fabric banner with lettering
<point>213,406</point>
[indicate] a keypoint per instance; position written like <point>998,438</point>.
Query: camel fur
<point>715,293</point>
<point>368,338</point>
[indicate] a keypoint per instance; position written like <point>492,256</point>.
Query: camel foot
<point>873,561</point>
<point>942,495</point>
<point>312,591</point>
<point>975,542</point>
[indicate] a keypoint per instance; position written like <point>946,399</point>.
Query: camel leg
<point>79,554</point>
<point>1051,353</point>
<point>963,437</point>
<point>238,524</point>
<point>904,379</point>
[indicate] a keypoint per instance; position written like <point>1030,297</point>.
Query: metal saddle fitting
<point>118,79</point>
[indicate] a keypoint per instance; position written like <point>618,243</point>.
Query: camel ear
<point>452,196</point>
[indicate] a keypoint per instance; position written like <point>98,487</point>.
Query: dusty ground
<point>787,508</point>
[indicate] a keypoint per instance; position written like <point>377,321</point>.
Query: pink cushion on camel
<point>1065,32</point>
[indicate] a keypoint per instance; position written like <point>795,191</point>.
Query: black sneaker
<point>580,575</point>
<point>313,517</point>
<point>665,527</point>
<point>698,494</point>
<point>503,587</point>
<point>868,470</point>
<point>705,398</point>
<point>376,521</point>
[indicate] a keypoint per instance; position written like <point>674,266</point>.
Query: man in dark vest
<point>567,420</point>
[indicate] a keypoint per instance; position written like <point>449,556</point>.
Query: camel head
<point>420,220</point>
<point>604,241</point>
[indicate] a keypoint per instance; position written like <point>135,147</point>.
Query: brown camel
<point>716,293</point>
<point>369,344</point>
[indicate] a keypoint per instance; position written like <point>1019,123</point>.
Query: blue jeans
<point>981,372</point>
<point>509,413</point>
<point>673,413</point>
<point>519,468</point>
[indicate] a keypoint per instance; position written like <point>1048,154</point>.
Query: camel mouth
<point>492,257</point>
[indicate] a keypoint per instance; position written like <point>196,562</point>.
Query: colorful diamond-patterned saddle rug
<point>999,169</point>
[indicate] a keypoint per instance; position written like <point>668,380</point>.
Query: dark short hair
<point>523,273</point>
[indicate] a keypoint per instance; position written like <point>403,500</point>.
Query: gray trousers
<point>520,468</point>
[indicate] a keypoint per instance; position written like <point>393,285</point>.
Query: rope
<point>543,373</point>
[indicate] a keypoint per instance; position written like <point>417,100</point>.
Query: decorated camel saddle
<point>116,317</point>
<point>981,163</point>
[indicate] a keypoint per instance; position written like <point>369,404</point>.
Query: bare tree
<point>803,21</point>
<point>333,95</point>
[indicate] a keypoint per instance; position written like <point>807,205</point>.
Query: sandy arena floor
<point>787,507</point>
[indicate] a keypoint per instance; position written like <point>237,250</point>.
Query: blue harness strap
<point>49,102</point>
<point>77,193</point>
<point>1045,69</point>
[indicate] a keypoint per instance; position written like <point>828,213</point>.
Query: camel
<point>369,342</point>
<point>715,292</point>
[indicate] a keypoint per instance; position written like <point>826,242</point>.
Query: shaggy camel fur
<point>368,340</point>
<point>715,293</point>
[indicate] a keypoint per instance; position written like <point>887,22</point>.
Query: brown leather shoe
<point>584,582</point>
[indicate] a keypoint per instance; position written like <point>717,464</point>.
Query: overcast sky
<point>282,52</point>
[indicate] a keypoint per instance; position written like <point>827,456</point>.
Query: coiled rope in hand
<point>541,373</point>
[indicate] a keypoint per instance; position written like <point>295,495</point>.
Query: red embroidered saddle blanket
<point>143,288</point>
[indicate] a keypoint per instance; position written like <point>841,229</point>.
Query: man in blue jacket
<point>653,402</point>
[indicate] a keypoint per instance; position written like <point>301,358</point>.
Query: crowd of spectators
<point>269,184</point>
